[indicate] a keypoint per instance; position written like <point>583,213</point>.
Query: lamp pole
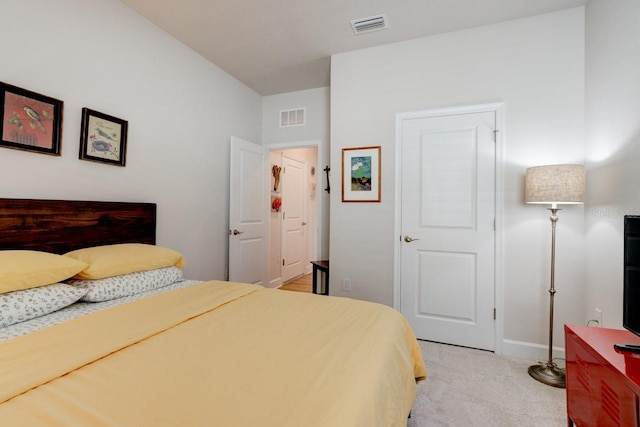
<point>549,373</point>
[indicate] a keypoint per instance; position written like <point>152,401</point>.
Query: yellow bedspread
<point>216,354</point>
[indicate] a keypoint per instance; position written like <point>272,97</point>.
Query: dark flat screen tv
<point>631,286</point>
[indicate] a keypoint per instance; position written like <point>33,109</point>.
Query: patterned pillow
<point>127,284</point>
<point>19,306</point>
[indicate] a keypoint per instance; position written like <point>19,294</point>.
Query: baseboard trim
<point>531,351</point>
<point>276,283</point>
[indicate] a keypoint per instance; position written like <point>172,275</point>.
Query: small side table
<point>323,266</point>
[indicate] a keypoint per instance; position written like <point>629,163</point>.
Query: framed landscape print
<point>30,121</point>
<point>361,174</point>
<point>103,138</point>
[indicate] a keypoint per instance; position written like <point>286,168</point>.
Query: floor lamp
<point>553,185</point>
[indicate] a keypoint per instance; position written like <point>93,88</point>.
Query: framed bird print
<point>30,121</point>
<point>103,138</point>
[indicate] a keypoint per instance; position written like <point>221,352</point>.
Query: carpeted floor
<point>468,387</point>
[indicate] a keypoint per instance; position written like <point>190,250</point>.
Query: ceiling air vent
<point>367,25</point>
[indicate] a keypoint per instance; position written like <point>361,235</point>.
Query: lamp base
<point>549,374</point>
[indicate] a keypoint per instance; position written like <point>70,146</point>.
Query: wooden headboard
<point>60,226</point>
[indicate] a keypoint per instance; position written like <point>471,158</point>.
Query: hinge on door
<point>495,133</point>
<point>283,264</point>
<point>494,224</point>
<point>494,314</point>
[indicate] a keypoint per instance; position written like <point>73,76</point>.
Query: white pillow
<point>127,284</point>
<point>18,306</point>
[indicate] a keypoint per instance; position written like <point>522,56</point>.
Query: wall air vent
<point>367,25</point>
<point>294,117</point>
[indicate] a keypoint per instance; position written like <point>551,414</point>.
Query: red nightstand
<point>603,384</point>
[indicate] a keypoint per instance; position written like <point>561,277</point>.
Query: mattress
<point>216,353</point>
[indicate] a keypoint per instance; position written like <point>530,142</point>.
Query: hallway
<point>301,284</point>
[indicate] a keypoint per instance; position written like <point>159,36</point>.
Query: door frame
<point>318,143</point>
<point>498,109</point>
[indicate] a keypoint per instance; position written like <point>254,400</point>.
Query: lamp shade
<point>555,184</point>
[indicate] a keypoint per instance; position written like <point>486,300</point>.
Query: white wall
<point>536,67</point>
<point>181,111</point>
<point>316,130</point>
<point>613,147</point>
<point>316,103</point>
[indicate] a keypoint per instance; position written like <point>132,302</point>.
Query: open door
<point>249,206</point>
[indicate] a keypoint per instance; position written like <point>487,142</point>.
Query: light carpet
<point>468,387</point>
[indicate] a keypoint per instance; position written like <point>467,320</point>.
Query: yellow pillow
<point>31,269</point>
<point>124,258</point>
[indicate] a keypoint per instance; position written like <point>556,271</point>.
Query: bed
<point>184,352</point>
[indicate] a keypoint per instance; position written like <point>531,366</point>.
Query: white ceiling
<point>277,46</point>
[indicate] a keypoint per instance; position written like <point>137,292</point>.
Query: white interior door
<point>294,243</point>
<point>249,204</point>
<point>448,219</point>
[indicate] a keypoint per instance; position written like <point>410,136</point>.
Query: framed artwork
<point>30,121</point>
<point>103,138</point>
<point>361,174</point>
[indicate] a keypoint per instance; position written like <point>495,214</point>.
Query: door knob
<point>409,239</point>
<point>236,232</point>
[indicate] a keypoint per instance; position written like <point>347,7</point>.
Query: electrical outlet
<point>599,317</point>
<point>346,285</point>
